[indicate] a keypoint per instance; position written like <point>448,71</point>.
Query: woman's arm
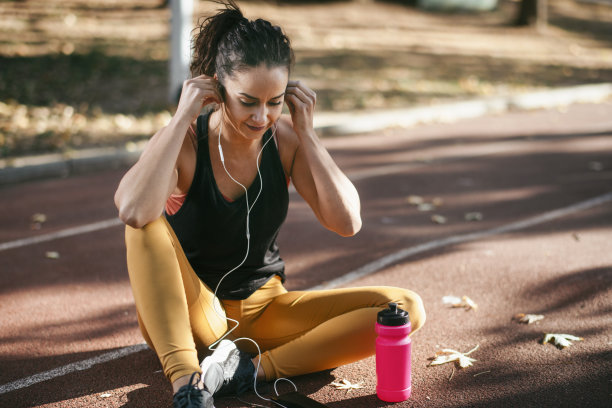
<point>144,189</point>
<point>316,177</point>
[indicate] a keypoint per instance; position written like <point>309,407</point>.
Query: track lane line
<point>346,278</point>
<point>68,232</point>
<point>71,368</point>
<point>400,255</point>
<point>355,175</point>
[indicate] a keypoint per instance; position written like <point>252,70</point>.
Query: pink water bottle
<point>393,354</point>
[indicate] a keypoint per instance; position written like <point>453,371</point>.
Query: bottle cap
<point>393,316</point>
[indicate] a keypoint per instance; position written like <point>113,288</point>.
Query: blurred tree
<point>532,12</point>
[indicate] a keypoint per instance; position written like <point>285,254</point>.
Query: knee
<point>413,304</point>
<point>147,235</point>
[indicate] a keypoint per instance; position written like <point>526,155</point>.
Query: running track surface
<point>541,180</point>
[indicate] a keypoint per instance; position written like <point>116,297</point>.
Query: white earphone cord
<point>248,237</point>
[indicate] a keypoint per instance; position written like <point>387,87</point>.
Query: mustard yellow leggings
<point>298,332</point>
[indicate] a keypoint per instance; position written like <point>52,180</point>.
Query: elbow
<point>132,219</point>
<point>130,216</point>
<point>351,228</point>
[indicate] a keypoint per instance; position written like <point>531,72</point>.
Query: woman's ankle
<point>261,374</point>
<point>181,381</point>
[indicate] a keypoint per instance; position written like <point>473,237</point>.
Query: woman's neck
<point>220,126</point>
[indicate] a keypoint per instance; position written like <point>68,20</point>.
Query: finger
<point>203,76</point>
<point>300,85</point>
<point>205,87</point>
<point>301,95</point>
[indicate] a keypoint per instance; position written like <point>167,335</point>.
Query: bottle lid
<point>393,316</point>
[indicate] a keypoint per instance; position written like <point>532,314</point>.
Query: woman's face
<point>254,98</point>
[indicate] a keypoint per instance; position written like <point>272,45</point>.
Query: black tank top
<point>212,230</point>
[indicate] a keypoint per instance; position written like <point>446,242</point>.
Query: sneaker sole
<point>219,355</point>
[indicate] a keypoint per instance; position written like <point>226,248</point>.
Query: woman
<point>203,206</point>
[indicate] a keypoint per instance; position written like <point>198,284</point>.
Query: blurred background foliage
<point>84,73</point>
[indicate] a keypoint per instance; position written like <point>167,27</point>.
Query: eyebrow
<point>256,99</point>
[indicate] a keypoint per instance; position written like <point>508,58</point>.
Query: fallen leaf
<point>463,302</point>
<point>449,355</point>
<point>473,216</point>
<point>469,303</point>
<point>346,385</point>
<point>437,201</point>
<point>415,200</point>
<point>528,318</point>
<point>52,254</point>
<point>426,207</point>
<point>37,220</point>
<point>106,395</point>
<point>560,340</point>
<point>438,219</point>
<point>451,300</point>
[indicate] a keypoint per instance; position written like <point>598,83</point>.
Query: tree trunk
<point>528,13</point>
<point>532,12</point>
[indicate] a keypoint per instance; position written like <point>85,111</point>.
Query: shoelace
<point>189,395</point>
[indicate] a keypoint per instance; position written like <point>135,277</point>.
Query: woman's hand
<point>301,101</point>
<point>197,92</point>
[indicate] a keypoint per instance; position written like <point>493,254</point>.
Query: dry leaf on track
<point>528,318</point>
<point>449,355</point>
<point>346,385</point>
<point>415,200</point>
<point>463,302</point>
<point>438,219</point>
<point>52,254</point>
<point>473,216</point>
<point>560,340</point>
<point>37,220</point>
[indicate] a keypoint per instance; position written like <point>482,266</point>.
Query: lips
<point>256,128</point>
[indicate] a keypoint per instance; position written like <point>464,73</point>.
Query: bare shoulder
<point>285,131</point>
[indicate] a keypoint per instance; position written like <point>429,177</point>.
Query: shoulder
<point>285,131</point>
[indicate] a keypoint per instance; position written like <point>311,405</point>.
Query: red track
<point>509,168</point>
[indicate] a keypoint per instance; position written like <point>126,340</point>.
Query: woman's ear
<point>220,87</point>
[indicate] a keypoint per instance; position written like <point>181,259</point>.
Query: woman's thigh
<point>290,315</point>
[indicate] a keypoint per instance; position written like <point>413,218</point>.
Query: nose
<point>260,114</point>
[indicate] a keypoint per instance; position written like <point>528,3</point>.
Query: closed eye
<point>245,103</point>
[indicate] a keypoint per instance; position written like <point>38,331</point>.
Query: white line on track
<point>354,175</point>
<point>70,368</point>
<point>458,239</point>
<point>347,278</point>
<point>68,232</point>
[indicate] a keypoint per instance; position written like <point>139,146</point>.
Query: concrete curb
<point>24,169</point>
<point>340,124</point>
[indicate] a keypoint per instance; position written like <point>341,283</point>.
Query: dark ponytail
<point>228,42</point>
